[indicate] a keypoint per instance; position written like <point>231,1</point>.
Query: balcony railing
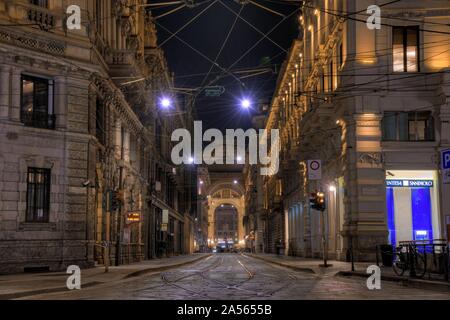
<point>36,119</point>
<point>42,17</point>
<point>121,57</point>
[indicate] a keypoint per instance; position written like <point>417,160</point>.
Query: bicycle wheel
<point>419,265</point>
<point>399,265</point>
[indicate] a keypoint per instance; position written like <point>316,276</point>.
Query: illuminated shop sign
<point>410,183</point>
<point>134,216</point>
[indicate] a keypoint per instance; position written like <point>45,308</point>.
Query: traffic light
<point>317,201</point>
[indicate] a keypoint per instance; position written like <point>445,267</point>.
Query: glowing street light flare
<point>245,103</point>
<point>166,102</point>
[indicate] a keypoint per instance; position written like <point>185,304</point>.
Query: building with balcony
<point>85,170</point>
<point>372,105</point>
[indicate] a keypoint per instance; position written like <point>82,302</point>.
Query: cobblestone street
<point>238,277</point>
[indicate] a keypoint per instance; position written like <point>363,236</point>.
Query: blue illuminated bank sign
<point>410,183</point>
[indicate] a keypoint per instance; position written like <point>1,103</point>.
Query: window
<point>40,3</point>
<point>100,121</point>
<point>331,77</point>
<point>38,195</point>
<point>98,16</point>
<point>405,49</point>
<point>158,134</point>
<point>322,81</point>
<point>408,126</point>
<point>341,55</point>
<point>37,102</point>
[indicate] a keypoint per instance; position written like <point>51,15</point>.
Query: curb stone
<point>301,269</point>
<point>414,283</point>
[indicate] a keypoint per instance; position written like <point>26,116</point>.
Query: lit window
<point>405,48</point>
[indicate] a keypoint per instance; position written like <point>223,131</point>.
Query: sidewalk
<point>22,285</point>
<point>344,269</point>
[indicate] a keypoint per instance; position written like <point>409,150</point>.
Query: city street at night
<point>239,277</point>
<point>191,153</point>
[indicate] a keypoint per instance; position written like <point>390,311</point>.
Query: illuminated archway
<point>225,194</point>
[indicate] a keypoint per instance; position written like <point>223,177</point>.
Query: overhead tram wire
<point>198,52</point>
<point>170,12</point>
<point>252,26</point>
<point>224,43</point>
<point>266,8</point>
<point>173,34</point>
<point>250,49</point>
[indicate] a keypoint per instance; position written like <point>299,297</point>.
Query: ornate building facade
<point>85,171</point>
<point>372,105</point>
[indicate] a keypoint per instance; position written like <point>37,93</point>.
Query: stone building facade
<point>85,171</point>
<point>372,105</point>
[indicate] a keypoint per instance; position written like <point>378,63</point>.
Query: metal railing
<point>432,254</point>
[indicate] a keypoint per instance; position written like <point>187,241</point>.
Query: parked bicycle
<point>408,257</point>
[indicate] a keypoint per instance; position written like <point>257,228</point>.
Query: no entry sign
<point>314,169</point>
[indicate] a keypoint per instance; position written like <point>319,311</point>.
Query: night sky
<point>207,34</point>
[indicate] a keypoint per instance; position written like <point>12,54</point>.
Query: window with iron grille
<point>38,195</point>
<point>37,102</point>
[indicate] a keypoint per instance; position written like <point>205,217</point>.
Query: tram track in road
<point>212,288</point>
<point>174,282</point>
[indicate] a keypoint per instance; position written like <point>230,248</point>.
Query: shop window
<point>37,102</point>
<point>405,46</point>
<point>38,195</point>
<point>408,126</point>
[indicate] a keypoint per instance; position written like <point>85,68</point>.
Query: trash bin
<point>387,253</point>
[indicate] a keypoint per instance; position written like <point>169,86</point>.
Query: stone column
<point>16,84</point>
<point>60,107</point>
<point>365,212</point>
<point>4,90</point>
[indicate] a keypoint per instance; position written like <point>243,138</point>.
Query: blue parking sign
<point>445,159</point>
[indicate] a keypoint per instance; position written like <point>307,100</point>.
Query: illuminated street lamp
<point>165,102</point>
<point>245,103</point>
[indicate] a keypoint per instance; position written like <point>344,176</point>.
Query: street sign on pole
<point>314,169</point>
<point>445,160</point>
